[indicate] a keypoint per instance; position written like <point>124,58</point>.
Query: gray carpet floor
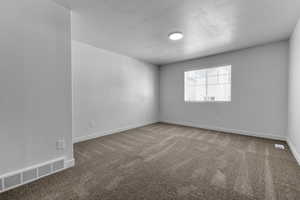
<point>163,161</point>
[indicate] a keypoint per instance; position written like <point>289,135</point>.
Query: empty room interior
<point>150,100</point>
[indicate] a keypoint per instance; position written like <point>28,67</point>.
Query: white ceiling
<point>140,28</point>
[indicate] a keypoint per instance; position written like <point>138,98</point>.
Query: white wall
<point>35,83</point>
<point>111,92</point>
<point>294,93</point>
<point>259,93</point>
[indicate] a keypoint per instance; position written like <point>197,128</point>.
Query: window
<point>211,84</point>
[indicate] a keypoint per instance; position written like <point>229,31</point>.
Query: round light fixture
<point>175,36</point>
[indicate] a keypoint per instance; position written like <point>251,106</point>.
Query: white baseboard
<point>69,163</point>
<point>294,150</point>
<point>109,132</point>
<point>227,130</point>
<point>20,173</point>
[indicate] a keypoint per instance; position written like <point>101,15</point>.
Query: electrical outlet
<point>60,144</point>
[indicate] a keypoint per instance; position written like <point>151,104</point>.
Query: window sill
<point>207,101</point>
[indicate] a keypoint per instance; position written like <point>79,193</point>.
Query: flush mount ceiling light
<point>175,36</point>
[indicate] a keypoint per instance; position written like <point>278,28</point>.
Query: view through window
<point>210,84</point>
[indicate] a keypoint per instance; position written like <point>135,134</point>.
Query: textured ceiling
<point>139,28</point>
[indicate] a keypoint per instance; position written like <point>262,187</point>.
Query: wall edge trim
<point>294,151</point>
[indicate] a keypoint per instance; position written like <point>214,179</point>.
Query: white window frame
<point>206,85</point>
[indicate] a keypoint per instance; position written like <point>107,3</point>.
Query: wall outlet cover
<point>60,144</point>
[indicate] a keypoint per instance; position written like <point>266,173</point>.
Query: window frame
<point>206,85</point>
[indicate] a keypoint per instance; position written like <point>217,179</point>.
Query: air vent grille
<point>30,174</point>
<point>44,170</point>
<point>1,185</point>
<point>59,165</point>
<point>12,181</point>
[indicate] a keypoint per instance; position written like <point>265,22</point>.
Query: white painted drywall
<point>111,92</point>
<point>35,83</point>
<point>294,93</point>
<point>259,93</point>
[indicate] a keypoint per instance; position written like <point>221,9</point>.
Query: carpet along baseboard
<point>29,174</point>
<point>294,150</point>
<point>109,132</point>
<point>226,130</point>
<point>234,131</point>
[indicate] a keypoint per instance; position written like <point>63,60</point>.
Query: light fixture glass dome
<point>175,36</point>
